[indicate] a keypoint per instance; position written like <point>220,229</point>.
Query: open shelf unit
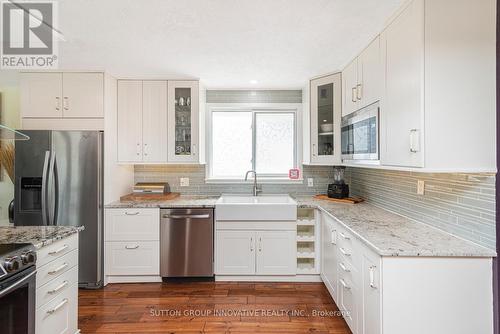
<point>307,242</point>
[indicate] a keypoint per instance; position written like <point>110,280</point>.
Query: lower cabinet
<point>256,252</point>
<point>57,288</point>
<point>132,245</point>
<point>392,294</point>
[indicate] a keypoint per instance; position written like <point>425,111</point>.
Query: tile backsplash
<point>197,186</point>
<point>461,204</point>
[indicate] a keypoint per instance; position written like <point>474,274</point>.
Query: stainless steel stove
<point>17,288</point>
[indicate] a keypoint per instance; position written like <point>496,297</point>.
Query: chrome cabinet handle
<point>131,213</point>
<point>359,92</point>
<point>131,247</point>
<point>372,276</point>
<point>251,244</point>
<point>58,103</point>
<point>344,284</point>
<point>314,150</point>
<point>194,149</point>
<point>66,103</point>
<point>344,236</point>
<point>137,150</point>
<point>343,251</point>
<point>59,250</point>
<point>333,237</point>
<point>343,267</point>
<point>57,289</point>
<point>58,306</point>
<point>414,141</point>
<point>145,149</point>
<point>205,216</point>
<point>354,94</point>
<point>58,269</point>
<point>260,244</point>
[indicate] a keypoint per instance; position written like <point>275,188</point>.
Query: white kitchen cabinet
<point>370,75</point>
<point>41,95</point>
<point>276,253</point>
<point>349,88</point>
<point>329,263</point>
<point>131,258</point>
<point>235,253</point>
<point>154,121</point>
<point>132,224</point>
<point>371,302</point>
<point>62,95</point>
<point>83,95</point>
<point>130,121</point>
<point>183,121</point>
<point>362,79</point>
<point>403,102</point>
<point>325,109</point>
<point>348,295</point>
<point>60,315</point>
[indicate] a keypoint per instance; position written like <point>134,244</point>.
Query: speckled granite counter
<point>39,236</point>
<point>179,202</point>
<point>385,232</point>
<point>390,234</point>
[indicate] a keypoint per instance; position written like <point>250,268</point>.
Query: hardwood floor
<point>210,308</point>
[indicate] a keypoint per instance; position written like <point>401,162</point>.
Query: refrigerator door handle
<point>54,190</point>
<point>45,180</point>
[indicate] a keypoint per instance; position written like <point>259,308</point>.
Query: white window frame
<point>255,108</point>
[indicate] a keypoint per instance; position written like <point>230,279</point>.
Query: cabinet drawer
<point>132,224</point>
<point>56,250</point>
<point>132,258</point>
<point>59,316</point>
<point>56,268</point>
<point>56,287</point>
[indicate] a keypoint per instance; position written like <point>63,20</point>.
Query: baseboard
<point>133,279</point>
<point>289,278</point>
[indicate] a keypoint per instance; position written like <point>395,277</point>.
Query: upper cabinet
<point>62,95</point>
<point>183,119</point>
<point>325,108</point>
<point>437,104</point>
<point>158,121</point>
<point>361,79</point>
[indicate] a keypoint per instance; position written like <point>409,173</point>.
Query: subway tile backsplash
<point>197,185</point>
<point>461,204</point>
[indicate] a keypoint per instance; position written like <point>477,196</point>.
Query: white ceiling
<point>225,43</point>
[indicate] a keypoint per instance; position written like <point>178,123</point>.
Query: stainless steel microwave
<point>360,134</point>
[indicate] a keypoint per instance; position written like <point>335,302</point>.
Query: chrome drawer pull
<point>55,290</point>
<point>132,213</point>
<point>131,247</point>
<point>57,251</point>
<point>344,268</point>
<point>343,251</point>
<point>344,284</point>
<point>58,306</point>
<point>58,269</point>
<point>333,237</point>
<point>372,277</point>
<point>344,236</point>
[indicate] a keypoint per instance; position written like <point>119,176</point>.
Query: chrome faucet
<point>256,188</point>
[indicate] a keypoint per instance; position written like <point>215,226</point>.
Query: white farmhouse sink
<point>263,207</point>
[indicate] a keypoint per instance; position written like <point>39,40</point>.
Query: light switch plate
<point>184,181</point>
<point>310,182</point>
<point>420,187</point>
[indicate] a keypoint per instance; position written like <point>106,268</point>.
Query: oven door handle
<point>15,285</point>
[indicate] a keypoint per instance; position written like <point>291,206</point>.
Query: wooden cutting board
<point>350,200</point>
<point>148,197</point>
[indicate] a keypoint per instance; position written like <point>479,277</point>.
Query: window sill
<point>250,182</point>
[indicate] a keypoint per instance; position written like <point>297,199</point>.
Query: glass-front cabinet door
<point>183,121</point>
<point>325,97</point>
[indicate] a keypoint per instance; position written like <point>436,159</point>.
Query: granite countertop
<point>39,236</point>
<point>182,201</point>
<point>390,234</point>
<point>387,233</point>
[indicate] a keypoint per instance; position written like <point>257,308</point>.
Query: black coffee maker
<point>338,189</point>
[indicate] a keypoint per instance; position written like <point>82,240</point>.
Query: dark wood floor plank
<point>209,307</point>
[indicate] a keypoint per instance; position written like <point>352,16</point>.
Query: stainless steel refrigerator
<point>59,177</point>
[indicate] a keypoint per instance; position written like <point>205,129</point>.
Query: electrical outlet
<point>184,181</point>
<point>310,182</point>
<point>420,187</point>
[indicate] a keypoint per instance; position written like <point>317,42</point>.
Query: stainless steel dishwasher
<point>186,243</point>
